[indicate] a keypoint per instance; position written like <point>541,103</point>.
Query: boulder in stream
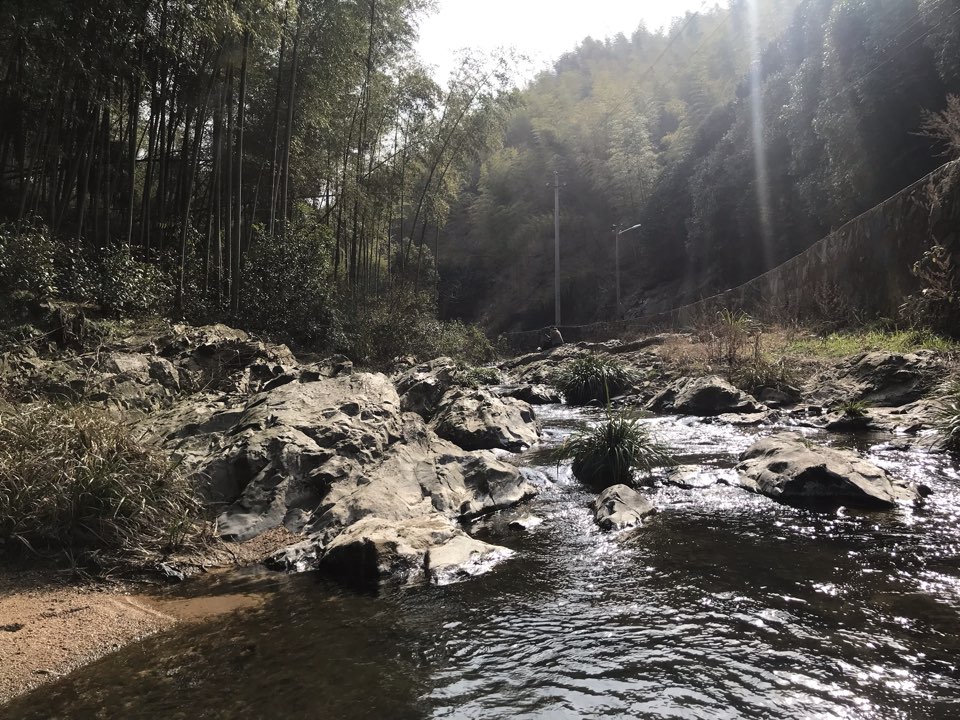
<point>475,419</point>
<point>792,470</point>
<point>620,506</point>
<point>709,395</point>
<point>424,548</point>
<point>319,454</point>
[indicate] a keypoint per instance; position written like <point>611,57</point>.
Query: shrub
<point>593,378</point>
<point>948,416</point>
<point>128,286</point>
<point>613,452</point>
<point>285,285</point>
<point>379,329</point>
<point>27,261</point>
<point>937,305</point>
<point>74,479</point>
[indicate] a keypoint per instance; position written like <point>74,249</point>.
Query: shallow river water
<point>725,605</point>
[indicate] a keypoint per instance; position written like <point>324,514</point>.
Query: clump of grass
<point>853,408</point>
<point>759,372</point>
<point>74,479</point>
<point>478,376</point>
<point>613,452</point>
<point>727,336</point>
<point>948,417</point>
<point>593,378</point>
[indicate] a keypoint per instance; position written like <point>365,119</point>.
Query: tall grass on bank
<point>593,378</point>
<point>613,452</point>
<point>74,479</point>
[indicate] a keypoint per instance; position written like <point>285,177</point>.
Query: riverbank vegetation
<point>280,166</point>
<point>75,480</point>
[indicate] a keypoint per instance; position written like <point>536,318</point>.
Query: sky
<point>541,29</point>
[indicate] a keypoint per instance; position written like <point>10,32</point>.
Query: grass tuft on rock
<point>593,378</point>
<point>74,479</point>
<point>614,452</point>
<point>853,408</point>
<point>948,417</point>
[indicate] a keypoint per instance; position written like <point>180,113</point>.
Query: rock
<point>710,395</point>
<point>422,387</point>
<point>460,557</point>
<point>778,397</point>
<point>330,367</point>
<point>216,357</point>
<point>425,548</point>
<point>751,419</point>
<point>789,469</point>
<point>541,367</point>
<point>476,419</point>
<point>319,456</point>
<point>620,506</point>
<point>525,522</point>
<point>894,379</point>
<point>296,558</point>
<point>534,394</point>
<point>694,477</point>
<point>845,422</point>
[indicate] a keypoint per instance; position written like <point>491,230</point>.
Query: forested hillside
<point>280,165</point>
<point>292,167</point>
<point>736,141</point>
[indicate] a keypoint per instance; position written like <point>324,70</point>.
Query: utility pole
<point>617,232</point>
<point>556,248</point>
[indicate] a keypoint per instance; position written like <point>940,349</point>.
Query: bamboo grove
<point>193,134</point>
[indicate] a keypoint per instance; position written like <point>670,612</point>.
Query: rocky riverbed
<point>378,477</point>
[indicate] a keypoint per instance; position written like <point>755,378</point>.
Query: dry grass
<point>74,479</point>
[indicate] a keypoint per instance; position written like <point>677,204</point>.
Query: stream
<point>724,605</point>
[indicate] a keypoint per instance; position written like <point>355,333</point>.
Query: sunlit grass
<point>838,345</point>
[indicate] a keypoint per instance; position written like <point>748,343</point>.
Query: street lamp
<point>616,255</point>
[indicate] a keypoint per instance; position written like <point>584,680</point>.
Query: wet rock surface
<point>709,395</point>
<point>791,469</point>
<point>424,548</point>
<point>620,506</point>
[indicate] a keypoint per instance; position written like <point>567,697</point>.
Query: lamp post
<point>616,256</point>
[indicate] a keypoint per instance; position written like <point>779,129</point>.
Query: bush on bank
<point>74,479</point>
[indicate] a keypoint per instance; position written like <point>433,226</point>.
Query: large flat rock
<point>792,470</point>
